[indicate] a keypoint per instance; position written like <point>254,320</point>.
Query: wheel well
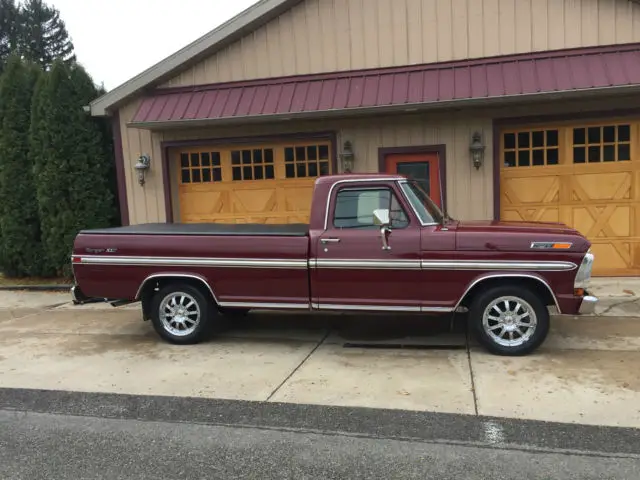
<point>532,284</point>
<point>152,285</point>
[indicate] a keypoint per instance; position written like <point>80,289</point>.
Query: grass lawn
<point>7,282</point>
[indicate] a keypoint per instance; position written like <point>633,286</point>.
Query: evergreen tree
<point>19,222</point>
<point>9,33</point>
<point>43,34</point>
<point>71,163</point>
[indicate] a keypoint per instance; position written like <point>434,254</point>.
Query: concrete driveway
<point>587,372</point>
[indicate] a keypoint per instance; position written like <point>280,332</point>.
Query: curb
<point>36,288</point>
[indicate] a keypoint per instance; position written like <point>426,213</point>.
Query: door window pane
<point>354,208</point>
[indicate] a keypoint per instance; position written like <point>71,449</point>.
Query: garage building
<point>503,109</point>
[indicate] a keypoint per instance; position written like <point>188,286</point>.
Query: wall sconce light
<point>347,156</point>
<point>477,150</point>
<point>143,164</point>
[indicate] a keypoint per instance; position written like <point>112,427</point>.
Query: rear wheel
<point>509,320</point>
<point>182,314</point>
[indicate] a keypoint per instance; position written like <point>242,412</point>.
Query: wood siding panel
<point>333,35</point>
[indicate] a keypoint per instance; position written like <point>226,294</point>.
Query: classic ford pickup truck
<point>374,243</point>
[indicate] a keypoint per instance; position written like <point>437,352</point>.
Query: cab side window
<point>355,206</point>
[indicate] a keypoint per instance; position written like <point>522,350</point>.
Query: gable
<point>335,35</point>
<point>288,37</point>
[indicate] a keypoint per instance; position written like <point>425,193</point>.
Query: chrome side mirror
<point>381,218</point>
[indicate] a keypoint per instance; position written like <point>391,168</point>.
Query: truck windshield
<point>427,211</point>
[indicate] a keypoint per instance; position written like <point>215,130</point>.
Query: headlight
<point>584,272</point>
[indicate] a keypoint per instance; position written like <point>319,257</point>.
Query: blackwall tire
<point>181,314</point>
<point>509,320</point>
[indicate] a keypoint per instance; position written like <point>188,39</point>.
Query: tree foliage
<point>9,30</point>
<point>71,163</point>
<point>21,253</point>
<point>35,31</point>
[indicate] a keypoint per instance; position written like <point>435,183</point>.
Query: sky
<point>117,39</point>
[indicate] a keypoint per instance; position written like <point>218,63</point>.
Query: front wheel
<point>509,320</point>
<point>181,314</point>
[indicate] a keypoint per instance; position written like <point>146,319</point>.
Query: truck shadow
<point>358,330</point>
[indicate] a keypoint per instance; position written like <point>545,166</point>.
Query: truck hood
<point>515,236</point>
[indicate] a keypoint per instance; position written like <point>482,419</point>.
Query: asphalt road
<point>62,435</point>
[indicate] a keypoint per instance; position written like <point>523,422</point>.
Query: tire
<point>509,331</point>
<point>194,314</point>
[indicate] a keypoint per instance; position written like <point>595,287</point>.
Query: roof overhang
<point>243,23</point>
<point>503,80</point>
<point>406,109</point>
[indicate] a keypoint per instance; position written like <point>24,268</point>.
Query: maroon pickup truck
<point>375,243</point>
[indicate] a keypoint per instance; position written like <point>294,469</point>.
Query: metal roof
<point>576,70</point>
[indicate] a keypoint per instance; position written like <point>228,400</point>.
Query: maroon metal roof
<point>496,77</point>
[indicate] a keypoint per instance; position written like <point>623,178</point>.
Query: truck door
<point>353,268</point>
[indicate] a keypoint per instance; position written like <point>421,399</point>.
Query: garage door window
<point>306,161</point>
<point>606,143</point>
<point>531,148</point>
<point>252,164</point>
<point>200,167</point>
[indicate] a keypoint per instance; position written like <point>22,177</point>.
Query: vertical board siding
<point>334,35</point>
<point>469,193</point>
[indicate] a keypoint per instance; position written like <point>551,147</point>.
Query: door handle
<point>329,240</point>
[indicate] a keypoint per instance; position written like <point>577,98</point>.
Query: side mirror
<point>381,217</point>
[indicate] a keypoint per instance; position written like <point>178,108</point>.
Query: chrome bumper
<point>588,305</point>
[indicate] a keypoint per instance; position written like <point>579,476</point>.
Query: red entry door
<point>421,167</point>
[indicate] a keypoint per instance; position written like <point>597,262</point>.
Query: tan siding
<point>332,35</point>
<point>146,203</point>
<point>464,187</point>
<point>469,192</point>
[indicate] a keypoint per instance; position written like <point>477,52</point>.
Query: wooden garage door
<point>585,175</point>
<point>266,183</point>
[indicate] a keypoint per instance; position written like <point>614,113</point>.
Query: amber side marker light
<point>579,292</point>
<point>561,246</point>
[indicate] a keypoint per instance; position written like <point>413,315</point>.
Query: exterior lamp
<point>347,157</point>
<point>477,150</point>
<point>143,164</point>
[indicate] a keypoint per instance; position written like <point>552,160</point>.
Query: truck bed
<point>227,229</point>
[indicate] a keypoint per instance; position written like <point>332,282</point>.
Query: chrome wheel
<point>509,321</point>
<point>179,314</point>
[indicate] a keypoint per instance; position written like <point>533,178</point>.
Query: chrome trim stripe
<point>322,263</point>
<point>357,180</point>
<point>441,264</point>
<point>495,265</point>
<point>381,308</point>
<point>175,275</point>
<point>511,275</point>
<point>191,261</point>
<point>367,264</point>
<point>372,308</point>
<point>267,306</point>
